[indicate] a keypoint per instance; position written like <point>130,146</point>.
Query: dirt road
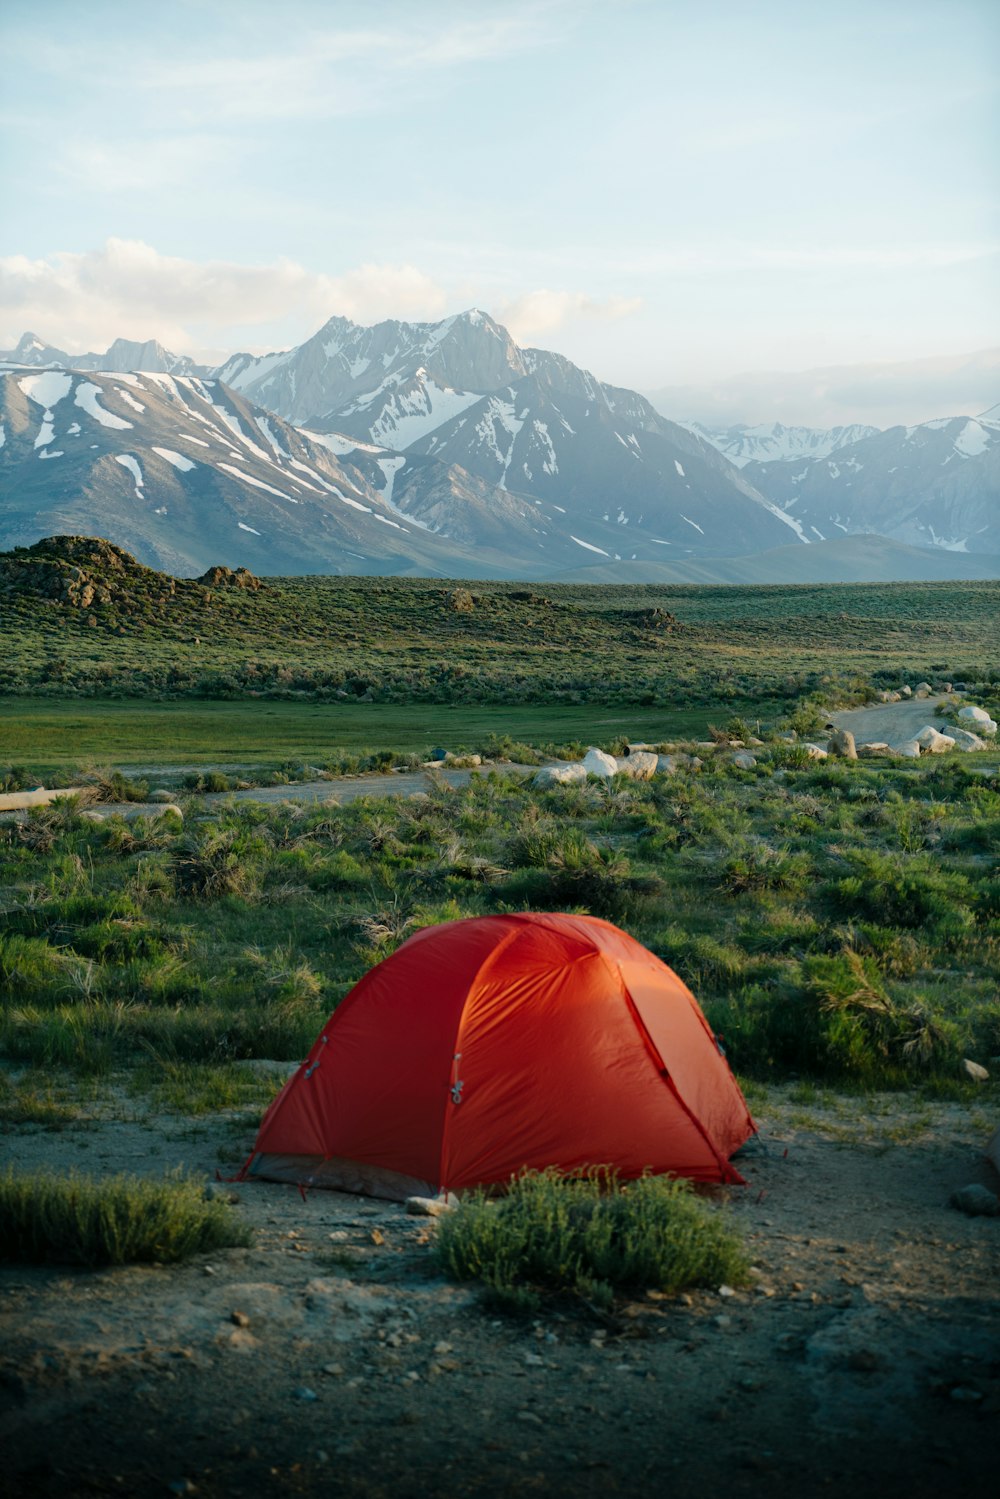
<point>890,723</point>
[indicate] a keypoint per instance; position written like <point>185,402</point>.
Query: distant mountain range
<point>445,448</point>
<point>934,485</point>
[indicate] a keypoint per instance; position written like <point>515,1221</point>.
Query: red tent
<point>487,1046</point>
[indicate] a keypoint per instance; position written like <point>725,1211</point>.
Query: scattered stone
<point>430,1207</point>
<point>530,1418</point>
<point>169,809</point>
<point>305,1393</point>
<point>743,760</point>
<point>842,744</point>
<point>815,751</point>
<point>667,765</point>
<point>976,1201</point>
<point>161,795</point>
<point>560,775</point>
<point>908,750</point>
<point>933,742</point>
<point>726,1291</point>
<point>873,748</point>
<point>906,692</point>
<point>239,1319</point>
<point>967,741</point>
<point>974,1071</point>
<point>966,1395</point>
<point>597,763</point>
<point>923,689</point>
<point>984,725</point>
<point>334,1370</point>
<point>639,764</point>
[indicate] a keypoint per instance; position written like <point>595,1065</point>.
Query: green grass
<point>591,1237</point>
<point>402,641</point>
<point>818,941</point>
<point>51,734</point>
<point>77,1220</point>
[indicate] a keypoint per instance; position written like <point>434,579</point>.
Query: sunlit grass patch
<point>590,1236</point>
<point>78,1220</point>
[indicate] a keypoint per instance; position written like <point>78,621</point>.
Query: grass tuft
<point>76,1220</point>
<point>589,1236</point>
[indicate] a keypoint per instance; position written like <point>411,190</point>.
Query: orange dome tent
<point>500,1043</point>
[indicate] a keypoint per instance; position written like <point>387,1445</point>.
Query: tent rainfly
<point>497,1044</point>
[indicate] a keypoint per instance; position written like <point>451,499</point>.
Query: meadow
<point>82,618</point>
<point>837,921</point>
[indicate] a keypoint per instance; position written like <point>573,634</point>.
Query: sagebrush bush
<point>77,1220</point>
<point>591,1236</point>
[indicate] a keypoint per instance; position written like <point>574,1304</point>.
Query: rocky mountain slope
<point>774,442</point>
<point>124,355</point>
<point>934,485</point>
<point>525,421</point>
<point>185,473</point>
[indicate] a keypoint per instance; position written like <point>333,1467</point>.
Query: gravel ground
<point>331,1358</point>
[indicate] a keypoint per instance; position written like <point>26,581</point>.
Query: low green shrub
<point>590,1236</point>
<point>77,1220</point>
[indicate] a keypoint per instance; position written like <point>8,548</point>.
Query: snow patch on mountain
<point>127,461</point>
<point>177,459</point>
<point>87,397</point>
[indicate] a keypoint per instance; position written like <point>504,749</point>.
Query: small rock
<point>334,1370</point>
<point>842,744</point>
<point>305,1393</point>
<point>966,1395</point>
<point>743,760</point>
<point>430,1207</point>
<point>814,751</point>
<point>530,1418</point>
<point>641,765</point>
<point>160,795</point>
<point>976,1201</point>
<point>974,1071</point>
<point>908,750</point>
<point>239,1319</point>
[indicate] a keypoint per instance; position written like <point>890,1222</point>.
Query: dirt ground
<point>332,1358</point>
<point>891,723</point>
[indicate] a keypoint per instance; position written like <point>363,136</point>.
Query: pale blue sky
<point>664,190</point>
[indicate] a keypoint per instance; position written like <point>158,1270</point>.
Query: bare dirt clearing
<point>891,723</point>
<point>332,1358</point>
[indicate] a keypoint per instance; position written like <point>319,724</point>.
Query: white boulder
<point>932,742</point>
<point>639,764</point>
<point>908,750</point>
<point>597,763</point>
<point>984,724</point>
<point>668,765</point>
<point>964,740</point>
<point>560,775</point>
<point>815,751</point>
<point>744,760</point>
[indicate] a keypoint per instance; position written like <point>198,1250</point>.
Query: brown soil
<point>331,1358</point>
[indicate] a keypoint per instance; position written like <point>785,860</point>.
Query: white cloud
<point>128,289</point>
<point>540,312</point>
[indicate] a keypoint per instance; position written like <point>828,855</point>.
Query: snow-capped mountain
<point>525,421</point>
<point>460,432</point>
<point>185,472</point>
<point>123,356</point>
<point>933,485</point>
<point>772,442</point>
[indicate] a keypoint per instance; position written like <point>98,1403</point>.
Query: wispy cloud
<point>128,289</point>
<point>540,312</point>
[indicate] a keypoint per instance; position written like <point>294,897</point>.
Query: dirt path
<point>864,1360</point>
<point>890,723</point>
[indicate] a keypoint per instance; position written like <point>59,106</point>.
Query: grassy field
<point>76,619</point>
<point>46,734</point>
<point>837,921</point>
